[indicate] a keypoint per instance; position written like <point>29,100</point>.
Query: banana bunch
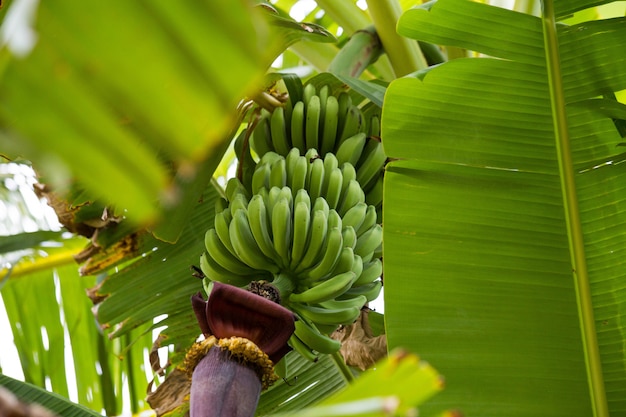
<point>338,184</point>
<point>307,218</point>
<point>328,123</point>
<point>325,264</point>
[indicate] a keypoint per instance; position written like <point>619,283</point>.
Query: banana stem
<point>284,284</point>
<point>404,54</point>
<point>343,368</point>
<point>363,49</point>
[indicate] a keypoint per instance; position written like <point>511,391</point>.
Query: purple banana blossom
<point>220,385</point>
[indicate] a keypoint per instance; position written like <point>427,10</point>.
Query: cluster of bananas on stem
<point>306,223</point>
<point>329,124</point>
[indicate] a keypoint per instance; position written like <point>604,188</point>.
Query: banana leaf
<point>505,213</point>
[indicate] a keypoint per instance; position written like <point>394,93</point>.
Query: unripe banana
<point>278,128</point>
<point>354,216</point>
<point>344,103</point>
<point>300,347</point>
<point>315,179</point>
<point>352,124</point>
<point>322,315</point>
<point>371,291</point>
<point>349,236</point>
<point>261,139</point>
<point>313,112</point>
<point>308,92</point>
<point>298,180</point>
<point>222,256</point>
<point>290,162</point>
<point>245,245</point>
<point>325,290</point>
<point>214,272</point>
<point>371,163</point>
<point>329,130</point>
<point>233,188</point>
<point>301,225</point>
<point>222,224</point>
<point>334,220</point>
<point>282,230</point>
<point>357,266</point>
<point>319,228</point>
<point>332,188</point>
<point>350,149</point>
<point>314,339</point>
<point>374,195</point>
<point>369,220</point>
<point>259,221</point>
<point>302,196</point>
<point>321,204</point>
<point>371,271</point>
<point>298,122</point>
<point>278,174</point>
<point>345,261</point>
<point>357,301</point>
<point>240,202</point>
<point>352,196</point>
<point>368,242</point>
<point>221,204</point>
<point>260,177</point>
<point>374,127</point>
<point>331,252</point>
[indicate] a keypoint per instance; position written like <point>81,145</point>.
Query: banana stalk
<point>363,49</point>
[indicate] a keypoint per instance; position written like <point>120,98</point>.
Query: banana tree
<point>477,253</point>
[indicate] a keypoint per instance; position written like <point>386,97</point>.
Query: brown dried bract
<point>359,347</point>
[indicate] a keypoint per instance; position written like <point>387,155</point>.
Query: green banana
<point>260,177</point>
<point>215,272</point>
<point>302,196</point>
<point>221,204</point>
<point>301,225</point>
<point>298,180</point>
<point>278,174</point>
<point>349,236</point>
<point>222,256</point>
<point>282,230</point>
<point>222,223</point>
<point>258,220</point>
<point>329,129</point>
<point>352,124</point>
<point>321,315</point>
<point>245,245</point>
<point>357,301</point>
<point>357,266</point>
<point>300,347</point>
<point>240,202</point>
<point>345,262</point>
<point>354,216</point>
<point>351,197</point>
<point>371,163</point>
<point>308,92</point>
<point>319,228</point>
<point>332,188</point>
<point>325,290</point>
<point>331,252</point>
<point>315,179</point>
<point>290,162</point>
<point>278,129</point>
<point>297,127</point>
<point>314,339</point>
<point>371,271</point>
<point>369,220</point>
<point>233,188</point>
<point>368,242</point>
<point>261,139</point>
<point>344,103</point>
<point>321,204</point>
<point>371,291</point>
<point>374,195</point>
<point>334,220</point>
<point>312,128</point>
<point>350,149</point>
<point>374,127</point>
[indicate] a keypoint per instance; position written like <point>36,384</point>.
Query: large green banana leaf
<point>505,219</point>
